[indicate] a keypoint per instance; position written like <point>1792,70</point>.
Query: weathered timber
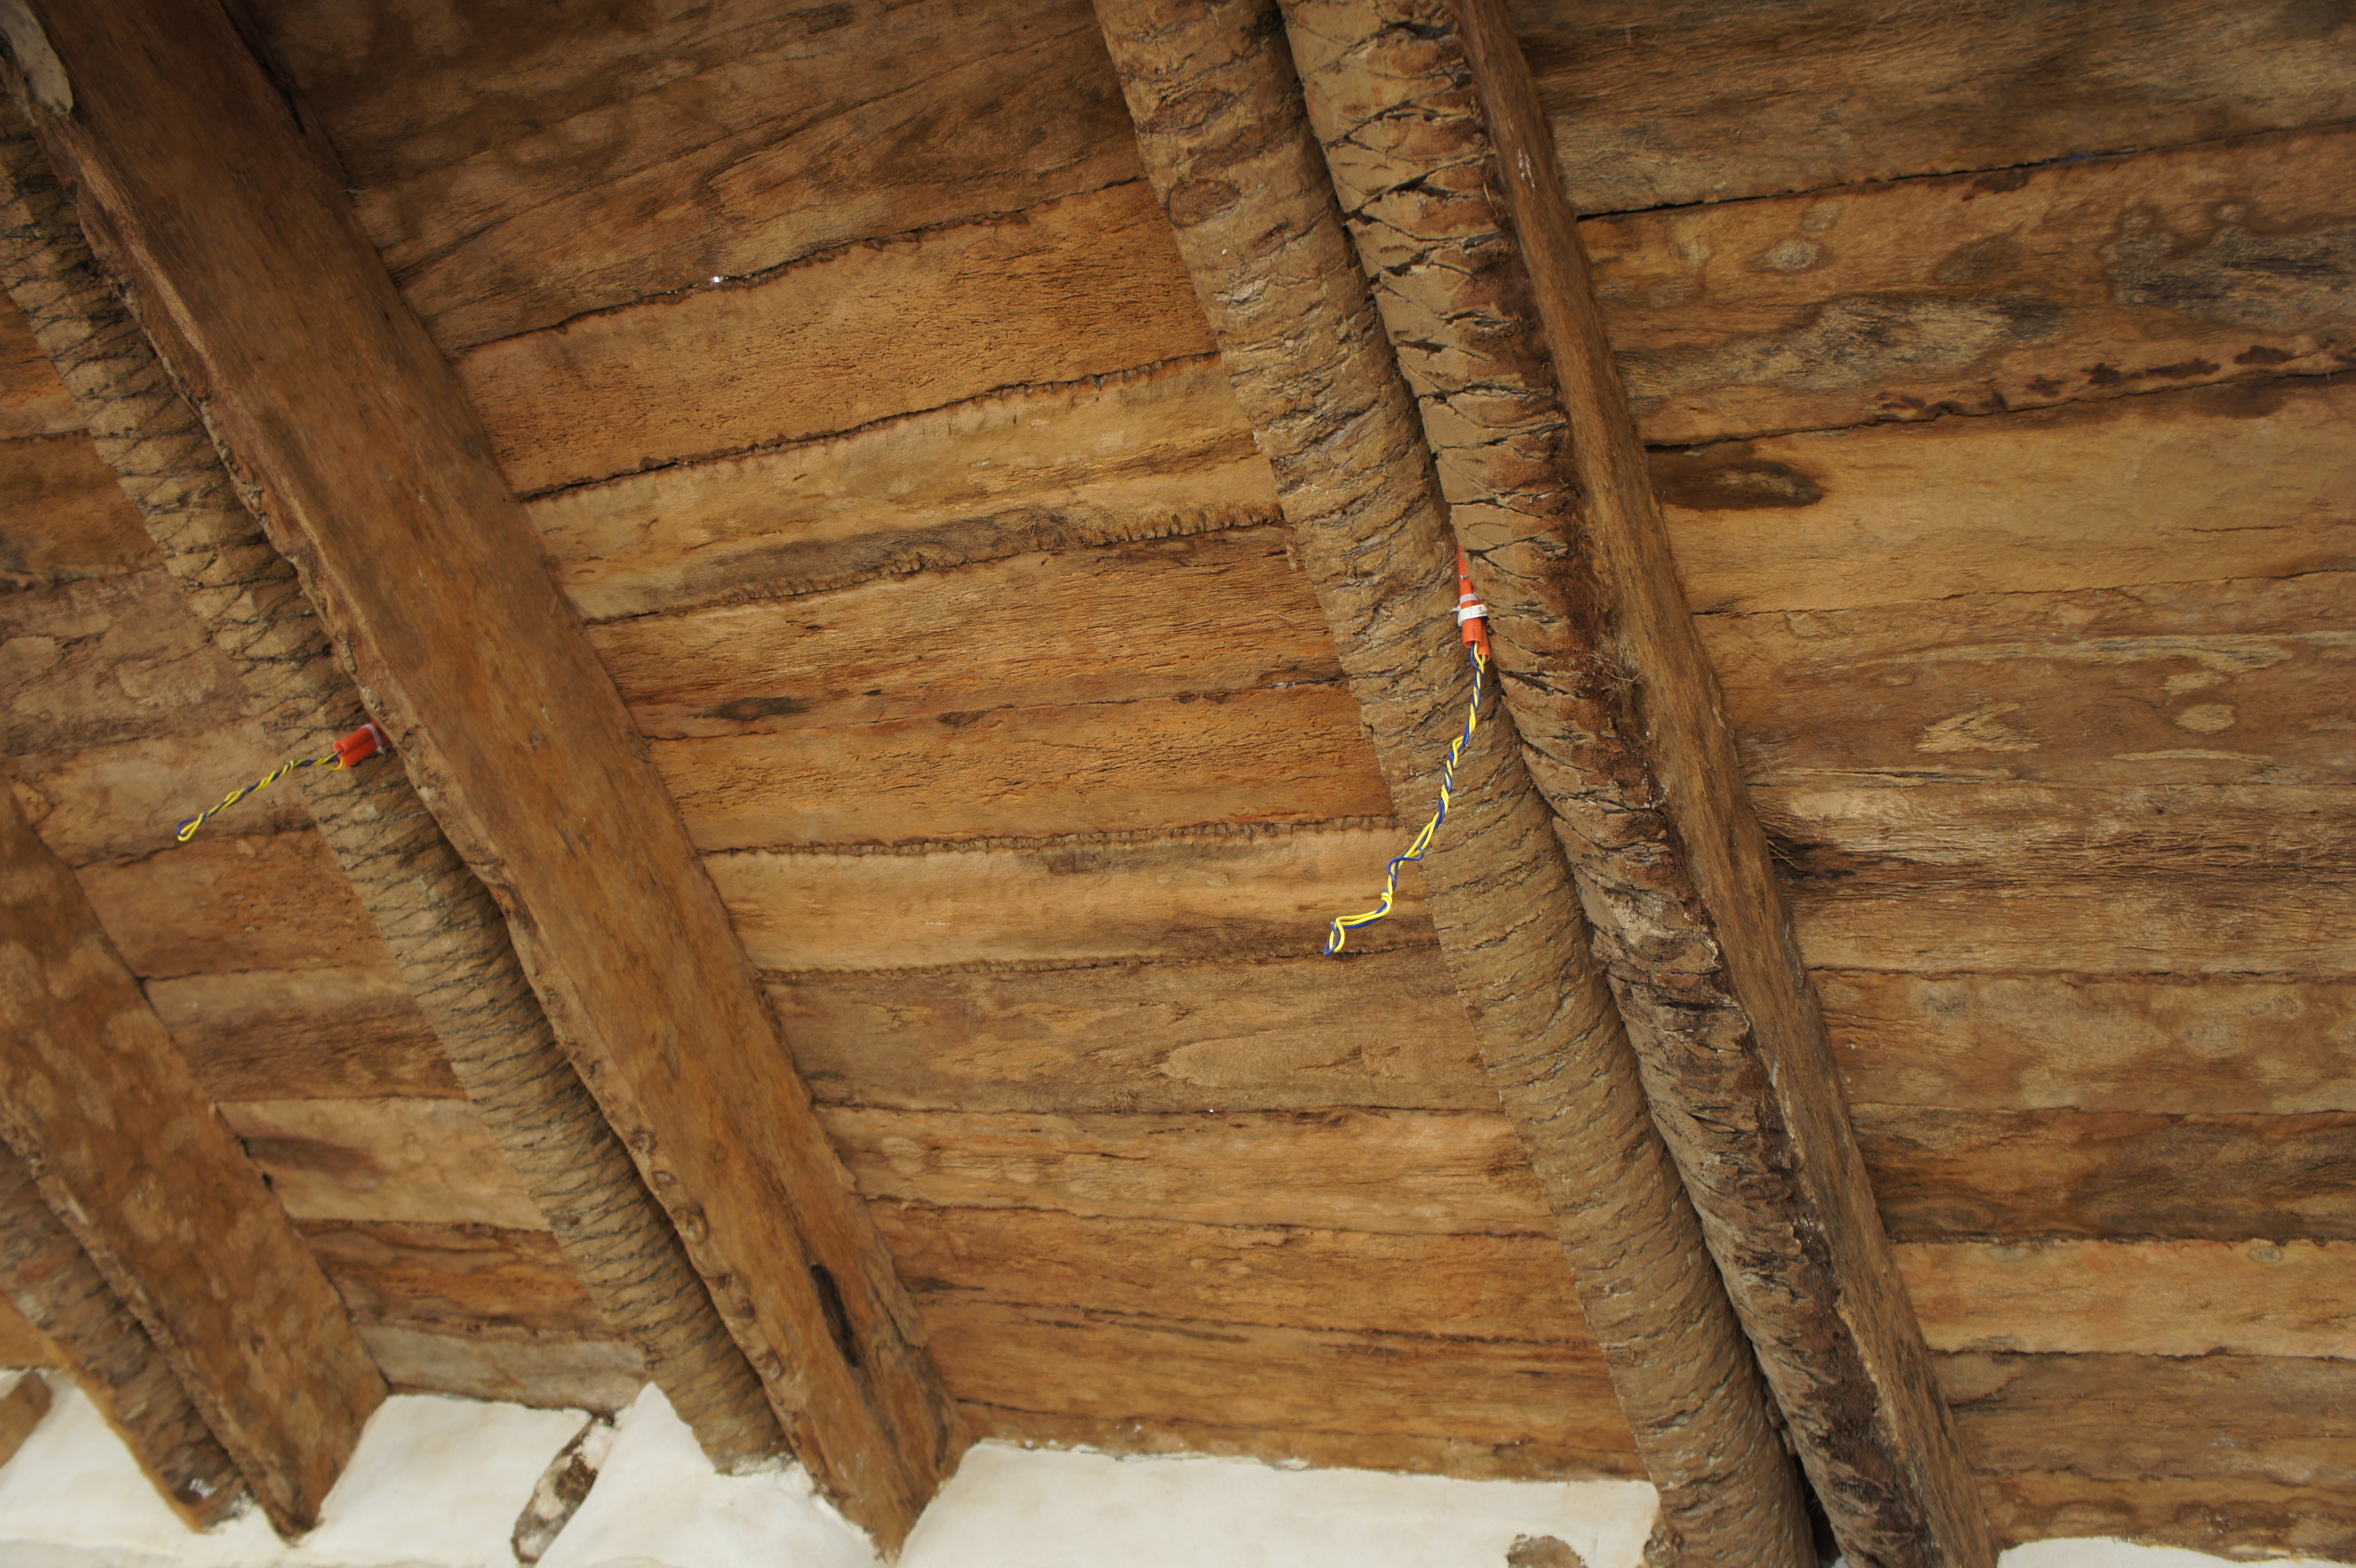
<point>216,905</point>
<point>1465,1287</point>
<point>1082,287</point>
<point>1204,893</point>
<point>119,802</point>
<point>21,1409</point>
<point>304,1034</point>
<point>2185,683</point>
<point>2249,480</point>
<point>2142,1298</point>
<point>447,941</point>
<point>21,1344</point>
<point>1148,454</point>
<point>1217,109</point>
<point>2154,1044</point>
<point>1652,107</point>
<point>1400,1453</point>
<point>63,517</point>
<point>2033,1175</point>
<point>2088,279</point>
<point>1140,1037</point>
<point>1405,1170</point>
<point>64,1299</point>
<point>103,661</point>
<point>514,176</point>
<point>615,924</point>
<point>465,1278</point>
<point>33,403</point>
<point>2222,1515</point>
<point>127,1150</point>
<point>1363,1386</point>
<point>1200,614</point>
<point>424,1160</point>
<point>601,1375</point>
<point>1445,168</point>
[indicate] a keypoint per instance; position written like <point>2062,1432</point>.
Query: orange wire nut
<point>1472,615</point>
<point>361,745</point>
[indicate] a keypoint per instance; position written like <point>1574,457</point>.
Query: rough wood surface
<point>33,403</point>
<point>2144,1298</point>
<point>514,176</point>
<point>1279,1036</point>
<point>1078,287</point>
<point>423,1160</point>
<point>1145,454</point>
<point>2223,1516</point>
<point>1445,167</point>
<point>66,1302</point>
<point>21,1409</point>
<point>21,1344</point>
<point>219,904</point>
<point>304,1034</point>
<point>1653,107</point>
<point>1217,107</point>
<point>2026,1174</point>
<point>2094,1042</point>
<point>84,529</point>
<point>126,1148</point>
<point>470,1278</point>
<point>118,803</point>
<point>107,660</point>
<point>2250,480</point>
<point>2085,279</point>
<point>600,1375</point>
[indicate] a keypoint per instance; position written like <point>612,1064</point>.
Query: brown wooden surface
<point>2224,1516</point>
<point>426,1160</point>
<point>21,1409</point>
<point>1653,107</point>
<point>57,477</point>
<point>120,801</point>
<point>600,1375</point>
<point>224,902</point>
<point>463,1278</point>
<point>304,1034</point>
<point>32,401</point>
<point>126,1147</point>
<point>475,685</point>
<point>22,1344</point>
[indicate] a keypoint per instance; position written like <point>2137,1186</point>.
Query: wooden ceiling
<point>846,365</point>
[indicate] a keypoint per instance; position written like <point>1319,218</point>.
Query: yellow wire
<point>189,829</point>
<point>1339,935</point>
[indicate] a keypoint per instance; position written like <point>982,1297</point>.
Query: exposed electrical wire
<point>1472,619</point>
<point>356,748</point>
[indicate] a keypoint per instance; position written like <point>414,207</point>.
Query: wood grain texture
<point>2142,1298</point>
<point>2085,279</point>
<point>2153,1044</point>
<point>126,1148</point>
<point>63,517</point>
<point>218,905</point>
<point>21,1344</point>
<point>32,401</point>
<point>472,683</point>
<point>120,802</point>
<point>1082,287</point>
<point>304,1034</point>
<point>1654,107</point>
<point>2221,1515</point>
<point>1943,1175</point>
<point>1192,895</point>
<point>103,661</point>
<point>458,1279</point>
<point>1146,454</point>
<point>428,1161</point>
<point>2247,480</point>
<point>2194,683</point>
<point>599,1375</point>
<point>1385,1030</point>
<point>514,176</point>
<point>21,1409</point>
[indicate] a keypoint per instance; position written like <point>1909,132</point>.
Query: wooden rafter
<point>276,316</point>
<point>1444,164</point>
<point>1220,124</point>
<point>104,1113</point>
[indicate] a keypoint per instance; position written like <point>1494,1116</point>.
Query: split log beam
<point>1219,121</point>
<point>1445,166</point>
<point>128,1153</point>
<point>202,189</point>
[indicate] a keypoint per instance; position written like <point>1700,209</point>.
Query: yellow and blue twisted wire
<point>189,829</point>
<point>1343,925</point>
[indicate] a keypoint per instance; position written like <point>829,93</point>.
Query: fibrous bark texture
<point>1219,118</point>
<point>1443,165</point>
<point>61,1291</point>
<point>444,931</point>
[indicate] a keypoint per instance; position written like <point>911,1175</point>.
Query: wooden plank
<point>304,1034</point>
<point>2246,480</point>
<point>461,1279</point>
<point>118,803</point>
<point>514,176</point>
<point>1295,756</point>
<point>32,401</point>
<point>1654,107</point>
<point>21,1343</point>
<point>1078,287</point>
<point>1139,455</point>
<point>1283,1036</point>
<point>2220,1516</point>
<point>1465,1286</point>
<point>1218,612</point>
<point>1422,1173</point>
<point>103,660</point>
<point>2090,278</point>
<point>64,516</point>
<point>1192,895</point>
<point>1055,1362</point>
<point>420,1161</point>
<point>216,905</point>
<point>600,1375</point>
<point>2142,1298</point>
<point>1943,1175</point>
<point>2100,1043</point>
<point>106,1115</point>
<point>21,1409</point>
<point>2193,682</point>
<point>197,182</point>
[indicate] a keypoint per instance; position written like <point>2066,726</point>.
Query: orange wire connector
<point>356,748</point>
<point>1472,615</point>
